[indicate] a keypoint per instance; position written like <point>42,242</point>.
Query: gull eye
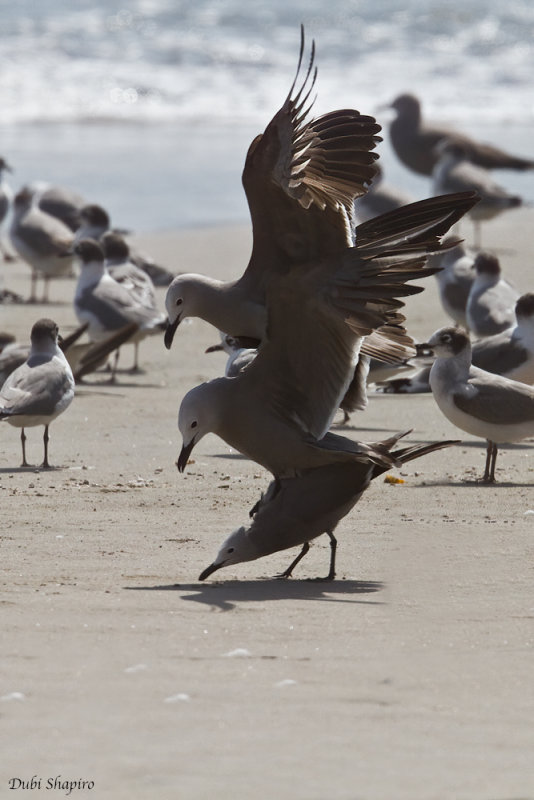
<point>446,338</point>
<point>194,424</point>
<point>230,550</point>
<point>179,301</point>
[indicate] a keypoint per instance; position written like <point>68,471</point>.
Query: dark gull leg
<point>333,547</point>
<point>23,441</point>
<point>289,570</point>
<point>46,439</point>
<point>491,458</point>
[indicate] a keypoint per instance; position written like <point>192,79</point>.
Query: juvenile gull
<point>43,241</point>
<point>454,278</point>
<point>491,302</point>
<point>497,409</point>
<point>107,305</point>
<point>39,390</point>
<point>414,141</point>
<point>454,172</point>
<point>321,295</point>
<point>294,511</point>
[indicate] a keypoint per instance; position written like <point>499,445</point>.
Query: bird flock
<point>314,318</point>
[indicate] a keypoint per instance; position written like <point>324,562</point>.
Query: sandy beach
<point>409,677</point>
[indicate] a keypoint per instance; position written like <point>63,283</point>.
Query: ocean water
<point>148,107</point>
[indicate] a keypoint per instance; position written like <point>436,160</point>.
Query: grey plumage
<point>495,408</point>
<point>41,389</point>
<point>294,511</point>
<point>414,141</point>
<point>454,172</point>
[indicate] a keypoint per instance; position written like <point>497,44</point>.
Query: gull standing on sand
<point>107,305</point>
<point>321,294</point>
<point>455,277</point>
<point>495,408</point>
<point>414,141</point>
<point>454,172</point>
<point>293,511</point>
<point>39,390</point>
<point>124,271</point>
<point>43,241</point>
<point>491,302</point>
<point>510,354</point>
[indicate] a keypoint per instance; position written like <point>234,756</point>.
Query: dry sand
<point>410,677</point>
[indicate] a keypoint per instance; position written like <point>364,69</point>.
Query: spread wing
<point>301,177</point>
<point>319,313</point>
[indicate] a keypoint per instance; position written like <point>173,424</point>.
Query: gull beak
<point>214,348</point>
<point>185,452</point>
<point>170,331</point>
<point>424,349</point>
<point>210,570</point>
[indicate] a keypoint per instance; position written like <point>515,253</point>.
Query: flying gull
<point>308,294</point>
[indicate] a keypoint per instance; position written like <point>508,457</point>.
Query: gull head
<point>44,335</point>
<point>195,418</point>
<point>89,251</point>
<point>180,302</point>
<point>448,342</point>
<point>524,308</point>
<point>236,548</point>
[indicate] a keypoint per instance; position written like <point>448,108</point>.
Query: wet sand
<point>407,678</point>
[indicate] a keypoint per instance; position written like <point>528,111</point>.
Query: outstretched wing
<point>301,177</point>
<point>320,315</point>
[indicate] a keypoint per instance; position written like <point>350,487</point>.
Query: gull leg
<point>491,458</point>
<point>135,367</point>
<point>333,547</point>
<point>114,366</point>
<point>23,442</point>
<point>46,439</point>
<point>493,462</point>
<point>289,570</point>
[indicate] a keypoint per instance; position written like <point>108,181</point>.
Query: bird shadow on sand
<point>33,468</point>
<point>227,595</point>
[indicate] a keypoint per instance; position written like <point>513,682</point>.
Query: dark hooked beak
<point>183,458</point>
<point>214,348</point>
<point>209,571</point>
<point>170,330</point>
